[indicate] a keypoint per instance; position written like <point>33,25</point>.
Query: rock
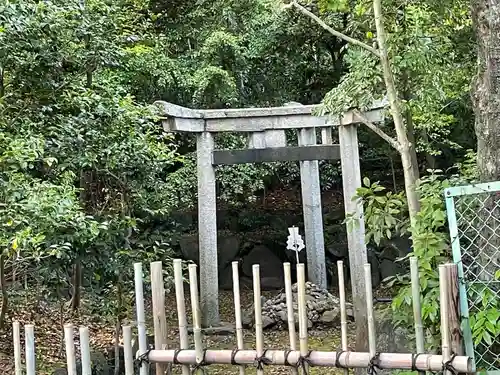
<point>375,268</point>
<point>226,277</point>
<point>271,283</point>
<point>267,321</point>
<point>338,250</point>
<point>389,268</point>
<point>330,316</point>
<point>228,248</point>
<point>322,309</point>
<point>102,364</point>
<point>391,339</point>
<point>271,266</point>
<point>223,329</point>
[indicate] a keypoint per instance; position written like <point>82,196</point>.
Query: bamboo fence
<point>299,359</point>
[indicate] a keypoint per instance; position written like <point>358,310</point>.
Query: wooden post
<point>259,337</point>
<point>29,332</point>
<point>141,316</point>
<point>181,310</point>
<point>301,305</point>
<point>70,349</point>
<point>289,309</point>
<point>16,332</point>
<point>443,304</point>
<point>351,179</point>
<point>85,351</point>
<point>454,309</point>
<point>159,318</point>
<point>372,341</point>
<point>343,309</point>
<point>128,356</point>
<point>237,310</point>
<point>417,311</point>
<point>195,310</point>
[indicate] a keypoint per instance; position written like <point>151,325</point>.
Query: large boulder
<point>228,247</point>
<point>270,267</point>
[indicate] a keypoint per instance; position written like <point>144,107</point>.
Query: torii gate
<point>267,143</point>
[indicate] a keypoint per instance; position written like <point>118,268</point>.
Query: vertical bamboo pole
<point>195,308</point>
<point>70,349</point>
<point>343,308</point>
<point>181,310</point>
<point>237,311</point>
<point>29,332</point>
<point>16,332</point>
<point>301,299</point>
<point>128,356</point>
<point>443,302</point>
<point>417,310</point>
<point>372,343</point>
<point>289,309</point>
<point>259,337</point>
<point>85,351</point>
<point>454,309</point>
<point>141,316</point>
<point>158,305</point>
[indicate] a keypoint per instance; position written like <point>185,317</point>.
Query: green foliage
<point>385,212</point>
<point>429,46</point>
<point>81,161</point>
<point>386,215</point>
<point>485,323</point>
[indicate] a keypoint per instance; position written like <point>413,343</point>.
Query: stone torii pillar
<point>267,143</point>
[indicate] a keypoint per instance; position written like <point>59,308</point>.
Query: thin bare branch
<point>377,130</point>
<point>332,31</point>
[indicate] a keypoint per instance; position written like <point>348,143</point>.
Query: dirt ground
<point>50,352</point>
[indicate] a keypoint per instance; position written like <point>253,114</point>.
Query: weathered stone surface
<point>389,268</point>
<point>223,329</point>
<point>228,248</point>
<point>391,339</point>
<point>322,309</point>
<point>270,266</point>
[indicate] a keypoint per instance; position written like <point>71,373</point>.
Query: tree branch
<point>362,118</point>
<point>332,31</point>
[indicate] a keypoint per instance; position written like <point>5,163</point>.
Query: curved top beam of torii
<point>181,119</point>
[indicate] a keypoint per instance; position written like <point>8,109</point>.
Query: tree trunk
<point>404,145</point>
<point>77,281</point>
<point>486,99</point>
<point>5,296</point>
<point>486,96</point>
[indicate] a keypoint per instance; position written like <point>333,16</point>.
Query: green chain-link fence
<point>474,221</point>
